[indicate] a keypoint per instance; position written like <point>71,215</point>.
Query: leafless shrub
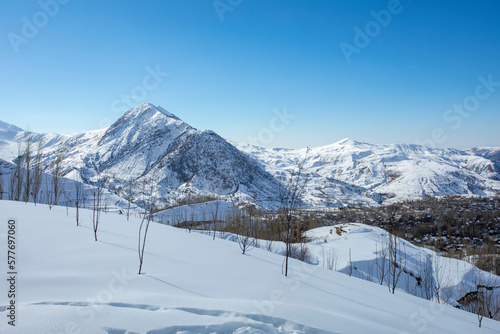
<point>290,192</point>
<point>246,242</point>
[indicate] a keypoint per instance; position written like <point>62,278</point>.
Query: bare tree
<point>290,194</point>
<point>142,238</point>
<point>48,192</point>
<point>67,200</point>
<point>37,172</point>
<point>16,177</point>
<point>426,279</point>
<point>1,185</point>
<point>332,259</point>
<point>149,209</point>
<point>215,217</point>
<point>269,246</point>
<point>12,180</point>
<point>396,262</point>
<point>129,196</point>
<point>26,167</point>
<point>440,278</point>
<point>245,240</point>
<point>97,195</point>
<point>57,174</point>
<point>79,197</point>
<point>381,261</point>
<point>19,173</point>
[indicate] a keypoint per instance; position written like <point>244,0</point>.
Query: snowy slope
<point>68,283</point>
<point>351,172</point>
<point>424,273</point>
<point>456,277</point>
<point>492,153</point>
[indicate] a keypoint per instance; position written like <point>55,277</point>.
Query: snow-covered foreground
<point>68,283</point>
<point>362,251</point>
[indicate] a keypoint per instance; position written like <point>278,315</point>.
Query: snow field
<point>68,283</point>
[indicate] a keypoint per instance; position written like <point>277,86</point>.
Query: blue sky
<point>233,65</point>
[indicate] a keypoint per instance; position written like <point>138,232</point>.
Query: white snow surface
<point>365,243</point>
<point>68,283</point>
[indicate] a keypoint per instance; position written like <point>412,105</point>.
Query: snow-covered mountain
<point>68,283</point>
<point>351,172</point>
<point>149,144</point>
<point>492,153</point>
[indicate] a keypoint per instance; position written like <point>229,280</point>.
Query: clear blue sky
<point>229,75</point>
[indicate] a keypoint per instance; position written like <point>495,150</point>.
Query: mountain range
<point>151,146</point>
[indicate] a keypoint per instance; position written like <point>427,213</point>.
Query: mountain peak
<point>145,113</point>
<point>141,123</point>
<point>149,109</point>
<point>347,142</point>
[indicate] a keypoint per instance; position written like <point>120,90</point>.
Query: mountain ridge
<point>149,143</point>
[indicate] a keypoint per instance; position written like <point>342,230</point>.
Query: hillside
<point>68,283</point>
<point>331,244</point>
